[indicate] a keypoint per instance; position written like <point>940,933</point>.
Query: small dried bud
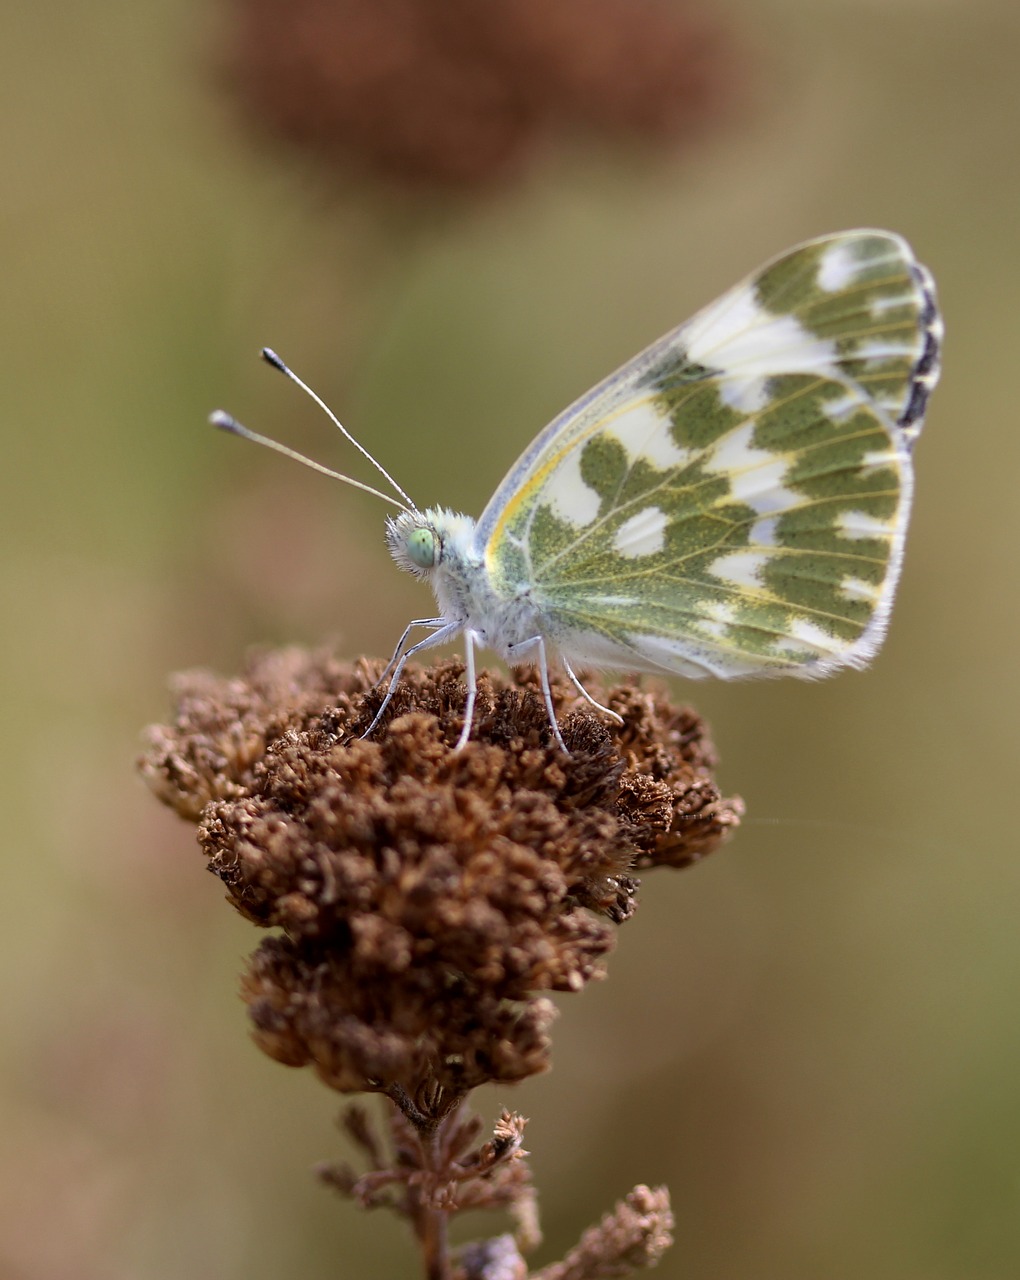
<point>634,1235</point>
<point>424,898</point>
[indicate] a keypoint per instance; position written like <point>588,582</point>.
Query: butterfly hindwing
<point>734,500</point>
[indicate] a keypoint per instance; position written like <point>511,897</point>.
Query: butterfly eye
<point>422,548</point>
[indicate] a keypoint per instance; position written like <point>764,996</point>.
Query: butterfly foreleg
<point>613,715</point>
<point>434,623</point>
<point>446,632</point>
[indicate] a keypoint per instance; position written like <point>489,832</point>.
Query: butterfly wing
<point>734,500</point>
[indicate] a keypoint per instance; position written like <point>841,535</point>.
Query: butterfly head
<point>420,541</point>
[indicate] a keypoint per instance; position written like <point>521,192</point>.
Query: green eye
<point>421,547</point>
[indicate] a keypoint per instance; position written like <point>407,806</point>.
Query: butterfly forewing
<point>734,501</point>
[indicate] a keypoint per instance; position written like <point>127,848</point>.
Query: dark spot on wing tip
<point>926,372</point>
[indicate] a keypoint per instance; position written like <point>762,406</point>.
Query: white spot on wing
<point>737,335</point>
<point>809,635</point>
<point>645,433</point>
<point>720,610</point>
<point>762,489</point>
<point>859,589</point>
<point>643,534</point>
<point>890,302</point>
<point>841,407</point>
<point>718,619</point>
<point>859,524</point>
<point>756,476</point>
<point>763,532</point>
<point>882,349</point>
<point>568,495</point>
<point>745,395</point>
<point>742,568</point>
<point>875,459</point>
<point>838,268</point>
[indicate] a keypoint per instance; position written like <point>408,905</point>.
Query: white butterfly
<point>731,502</point>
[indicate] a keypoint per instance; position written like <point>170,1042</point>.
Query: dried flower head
<point>426,900</point>
<point>456,92</point>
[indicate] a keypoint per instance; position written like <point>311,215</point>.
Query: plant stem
<point>434,1245</point>
<point>431,1223</point>
<point>429,1123</point>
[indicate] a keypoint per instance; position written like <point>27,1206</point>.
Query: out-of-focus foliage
<point>813,1036</point>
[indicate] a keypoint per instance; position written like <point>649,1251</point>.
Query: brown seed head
<point>426,899</point>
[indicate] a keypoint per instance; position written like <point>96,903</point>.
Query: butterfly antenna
<point>271,358</point>
<point>227,423</point>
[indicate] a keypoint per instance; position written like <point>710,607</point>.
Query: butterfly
<point>731,502</point>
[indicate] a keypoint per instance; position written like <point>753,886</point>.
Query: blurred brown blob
<point>427,898</point>
<point>459,92</point>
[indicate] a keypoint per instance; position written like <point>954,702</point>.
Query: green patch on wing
<point>697,413</point>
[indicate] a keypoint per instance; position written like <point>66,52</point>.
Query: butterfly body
<point>502,616</point>
<point>731,502</point>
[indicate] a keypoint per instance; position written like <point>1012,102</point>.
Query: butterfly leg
<point>538,642</point>
<point>470,637</point>
<point>446,632</point>
<point>434,623</point>
<point>613,715</point>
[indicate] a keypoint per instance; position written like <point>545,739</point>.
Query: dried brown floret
<point>425,898</point>
<point>635,1235</point>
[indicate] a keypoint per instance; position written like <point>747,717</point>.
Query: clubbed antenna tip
<point>226,422</point>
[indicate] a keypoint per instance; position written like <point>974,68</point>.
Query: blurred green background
<point>813,1037</point>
